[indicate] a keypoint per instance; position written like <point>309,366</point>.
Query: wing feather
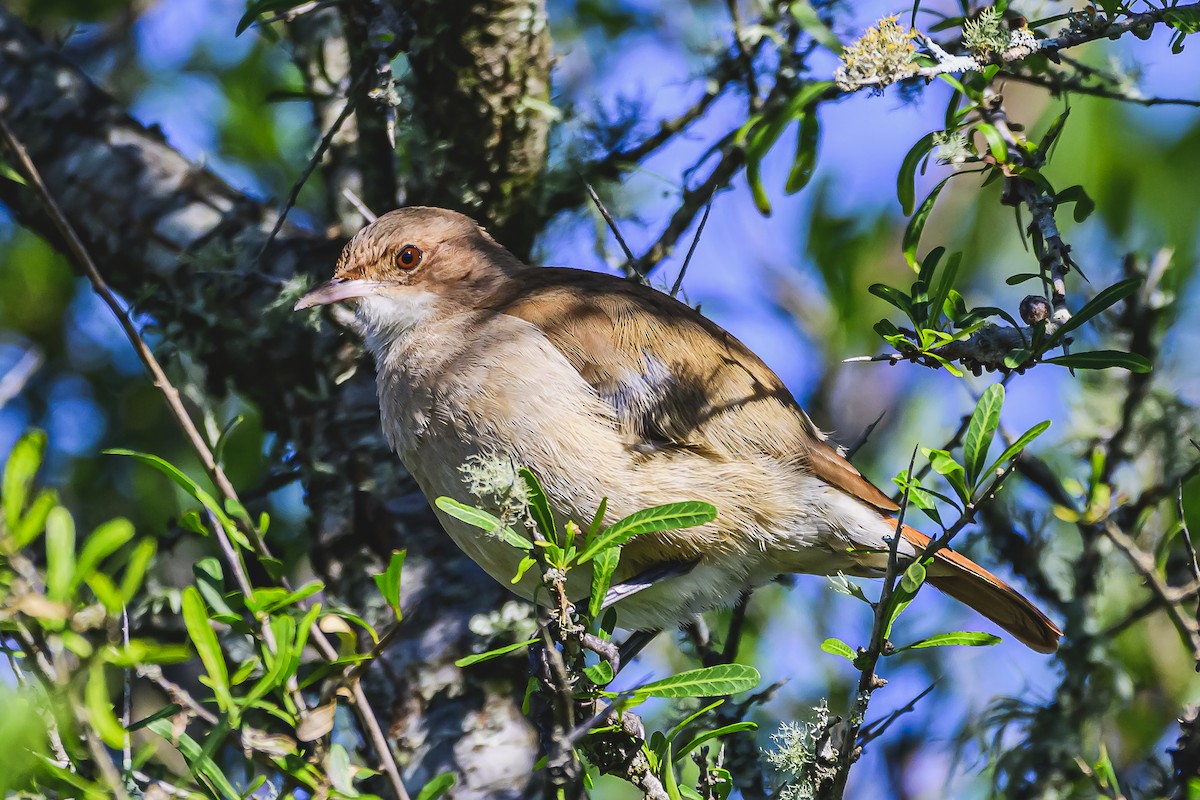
<point>676,380</point>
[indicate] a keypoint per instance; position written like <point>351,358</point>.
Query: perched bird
<point>606,388</point>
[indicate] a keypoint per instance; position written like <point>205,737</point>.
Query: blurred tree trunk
<point>185,245</point>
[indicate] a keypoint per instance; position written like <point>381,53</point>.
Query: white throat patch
<point>386,316</point>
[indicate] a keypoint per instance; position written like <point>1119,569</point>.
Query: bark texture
<point>479,93</point>
<point>184,243</point>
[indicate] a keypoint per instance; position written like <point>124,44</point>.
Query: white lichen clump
<point>804,754</point>
<point>496,482</point>
<point>881,56</point>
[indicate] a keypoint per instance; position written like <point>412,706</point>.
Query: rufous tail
<point>969,583</point>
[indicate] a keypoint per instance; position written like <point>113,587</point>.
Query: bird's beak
<point>339,290</point>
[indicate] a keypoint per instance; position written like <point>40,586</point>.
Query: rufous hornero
<point>606,388</point>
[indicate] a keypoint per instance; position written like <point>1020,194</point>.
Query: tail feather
<point>969,583</point>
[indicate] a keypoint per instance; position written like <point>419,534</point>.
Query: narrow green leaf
<point>1052,134</point>
<point>188,485</point>
<point>963,638</point>
<point>481,519</point>
<point>1102,359</point>
<point>539,507</point>
<point>907,180</point>
<point>1084,204</point>
<point>19,471</point>
<point>524,565</point>
<point>163,713</point>
<point>135,569</point>
<point>996,143</point>
<point>490,654</point>
<point>811,23</point>
<point>204,639</point>
<point>437,787</point>
<point>388,582</point>
<point>895,297</point>
<point>688,720</point>
<point>1020,444</point>
<point>719,680</point>
<point>597,523</point>
<point>100,710</point>
<point>944,464</point>
<point>33,521</point>
<point>1103,299</point>
<point>981,430</point>
<point>838,648</point>
<point>197,759</point>
<point>668,517</point>
<point>60,554</point>
<point>724,730</point>
<point>916,225</point>
<point>105,540</point>
<point>805,160</point>
<point>604,564</point>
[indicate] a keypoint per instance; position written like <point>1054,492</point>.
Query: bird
<point>609,390</point>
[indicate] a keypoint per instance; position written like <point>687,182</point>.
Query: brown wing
<point>675,379</point>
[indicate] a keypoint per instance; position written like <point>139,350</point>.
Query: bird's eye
<point>408,257</point>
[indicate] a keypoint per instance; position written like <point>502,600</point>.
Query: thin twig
<point>675,287</point>
<point>356,201</point>
<point>630,266</point>
<point>317,155</point>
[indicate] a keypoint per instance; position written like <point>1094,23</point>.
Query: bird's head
<point>413,263</point>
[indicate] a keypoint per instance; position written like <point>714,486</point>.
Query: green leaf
<point>481,519</point>
<point>916,225</point>
<point>1084,205</point>
<point>60,554</point>
<point>223,438</point>
<point>688,720</point>
<point>100,710</point>
<point>33,522</point>
<point>490,654</point>
<point>837,647</point>
<point>539,507</point>
<point>964,638</point>
<point>19,471</point>
<point>204,639</point>
<point>604,565</point>
<point>523,566</point>
<point>600,673</point>
<point>197,759</point>
<point>389,582</point>
<point>261,7</point>
<point>996,143</point>
<point>805,160</point>
<point>811,23</point>
<point>895,297</point>
<point>1020,444</point>
<point>719,680</point>
<point>189,486</point>
<point>135,569</point>
<point>1052,134</point>
<point>1103,299</point>
<point>437,787</point>
<point>725,730</point>
<point>597,523</point>
<point>99,545</point>
<point>981,430</point>
<point>944,464</point>
<point>1102,359</point>
<point>668,517</point>
<point>907,179</point>
<point>913,577</point>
